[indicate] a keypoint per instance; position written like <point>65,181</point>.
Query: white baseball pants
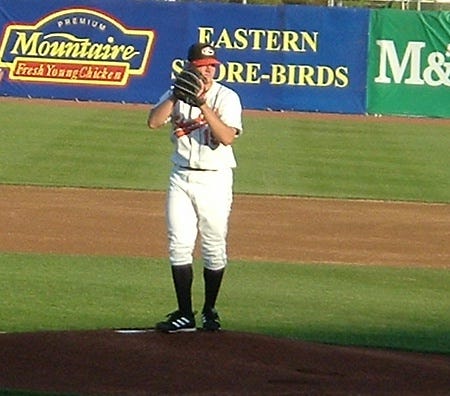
<point>199,201</point>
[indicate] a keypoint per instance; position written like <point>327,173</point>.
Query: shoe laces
<point>210,314</point>
<point>175,315</point>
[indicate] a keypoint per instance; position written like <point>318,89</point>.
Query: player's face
<point>208,71</point>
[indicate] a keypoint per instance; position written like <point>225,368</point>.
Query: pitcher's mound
<point>225,363</point>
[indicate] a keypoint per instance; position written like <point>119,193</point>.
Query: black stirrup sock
<point>182,276</point>
<point>213,280</point>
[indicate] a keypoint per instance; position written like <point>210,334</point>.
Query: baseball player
<point>206,117</point>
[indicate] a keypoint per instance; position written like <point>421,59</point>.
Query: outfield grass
<point>403,308</point>
<point>112,147</point>
<point>345,159</point>
<point>77,146</point>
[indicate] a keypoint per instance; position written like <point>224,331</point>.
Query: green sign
<point>409,63</point>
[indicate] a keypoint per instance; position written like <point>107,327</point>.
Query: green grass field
<point>403,308</point>
<point>111,147</point>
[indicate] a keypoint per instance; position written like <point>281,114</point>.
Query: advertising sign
<point>56,49</point>
<point>282,58</point>
<point>409,68</point>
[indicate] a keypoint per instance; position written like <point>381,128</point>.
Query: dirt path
<point>117,222</point>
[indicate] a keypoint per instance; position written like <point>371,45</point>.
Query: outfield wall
<point>276,57</point>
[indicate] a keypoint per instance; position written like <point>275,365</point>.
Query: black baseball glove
<point>188,87</point>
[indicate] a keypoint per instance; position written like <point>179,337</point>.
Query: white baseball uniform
<point>200,186</point>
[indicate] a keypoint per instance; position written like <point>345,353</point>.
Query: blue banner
<point>279,57</point>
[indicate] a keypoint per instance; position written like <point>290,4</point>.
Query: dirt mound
<point>225,363</point>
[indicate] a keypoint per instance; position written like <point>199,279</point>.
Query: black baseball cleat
<point>177,322</point>
<point>210,320</point>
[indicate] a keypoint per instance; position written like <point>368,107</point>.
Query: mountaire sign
<point>75,46</point>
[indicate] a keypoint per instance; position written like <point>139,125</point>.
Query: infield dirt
<point>262,228</point>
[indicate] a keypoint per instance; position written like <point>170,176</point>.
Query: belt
<point>193,169</point>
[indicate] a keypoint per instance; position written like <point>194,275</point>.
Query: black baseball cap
<point>202,54</point>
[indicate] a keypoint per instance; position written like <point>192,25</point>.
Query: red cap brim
<point>205,62</point>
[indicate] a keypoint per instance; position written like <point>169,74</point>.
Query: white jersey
<point>195,146</point>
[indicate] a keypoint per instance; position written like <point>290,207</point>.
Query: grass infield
<point>401,308</point>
